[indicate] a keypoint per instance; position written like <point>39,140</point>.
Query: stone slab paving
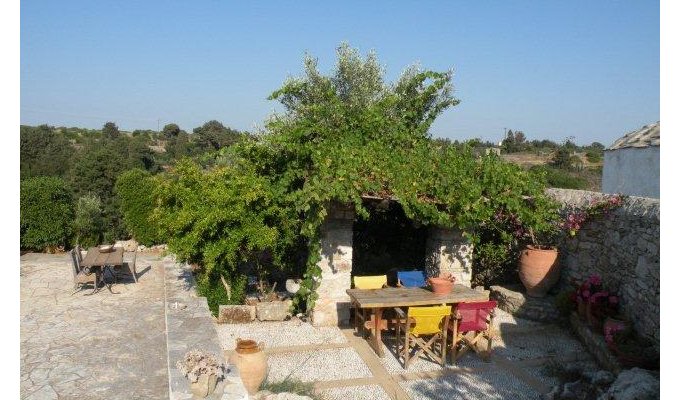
<point>103,346</point>
<point>190,326</point>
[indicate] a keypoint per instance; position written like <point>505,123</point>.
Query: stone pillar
<point>332,306</point>
<point>448,251</point>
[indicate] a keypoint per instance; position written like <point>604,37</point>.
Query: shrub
<point>88,225</point>
<point>290,385</point>
<point>559,178</point>
<point>46,213</point>
<point>210,286</point>
<point>135,191</point>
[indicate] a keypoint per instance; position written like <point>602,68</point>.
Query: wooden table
<point>97,259</point>
<point>379,299</point>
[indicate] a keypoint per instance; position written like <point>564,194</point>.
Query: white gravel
<point>319,365</point>
<point>548,343</point>
<point>506,322</point>
<point>367,392</point>
<point>492,384</point>
<point>278,334</point>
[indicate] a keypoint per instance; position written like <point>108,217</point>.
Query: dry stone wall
<point>623,248</point>
<point>449,252</point>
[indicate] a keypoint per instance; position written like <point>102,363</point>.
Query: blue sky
<point>551,69</point>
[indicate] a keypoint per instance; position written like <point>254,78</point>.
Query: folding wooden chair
<point>411,279</point>
<point>82,276</point>
<point>420,322</point>
<point>474,317</point>
<point>366,282</point>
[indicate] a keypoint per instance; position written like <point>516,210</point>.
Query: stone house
<point>631,164</point>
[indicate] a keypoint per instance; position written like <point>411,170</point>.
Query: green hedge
<point>46,213</point>
<point>135,190</point>
<point>88,225</point>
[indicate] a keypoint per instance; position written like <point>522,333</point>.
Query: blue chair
<point>411,279</point>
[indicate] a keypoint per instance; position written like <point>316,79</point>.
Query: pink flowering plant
<point>602,302</point>
<point>576,217</point>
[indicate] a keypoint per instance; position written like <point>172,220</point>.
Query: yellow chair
<point>366,282</point>
<point>423,321</point>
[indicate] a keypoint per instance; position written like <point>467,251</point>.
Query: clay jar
<point>251,362</point>
<point>538,269</point>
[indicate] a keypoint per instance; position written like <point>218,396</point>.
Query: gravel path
<point>367,392</point>
<point>278,334</point>
<point>494,384</point>
<point>321,365</point>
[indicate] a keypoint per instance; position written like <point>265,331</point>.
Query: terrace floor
<point>113,346</point>
<point>342,365</point>
<point>105,345</point>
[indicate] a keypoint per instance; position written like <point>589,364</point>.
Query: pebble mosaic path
<point>342,365</point>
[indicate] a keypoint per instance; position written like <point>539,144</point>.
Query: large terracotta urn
<point>538,269</point>
<point>251,362</point>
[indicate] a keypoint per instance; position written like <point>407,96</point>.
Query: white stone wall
<point>448,251</point>
<point>622,248</point>
<point>332,306</point>
<point>632,171</point>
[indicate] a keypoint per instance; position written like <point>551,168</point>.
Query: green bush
<point>559,178</point>
<point>88,225</point>
<point>46,213</point>
<point>210,286</point>
<point>291,385</point>
<point>135,191</point>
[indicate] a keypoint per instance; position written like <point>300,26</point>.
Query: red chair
<point>471,317</point>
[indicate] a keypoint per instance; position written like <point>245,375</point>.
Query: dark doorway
<point>387,240</point>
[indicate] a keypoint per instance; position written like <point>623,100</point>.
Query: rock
<point>553,394</point>
<point>273,310</point>
<point>634,384</point>
<point>602,378</point>
<point>236,314</point>
<point>574,390</point>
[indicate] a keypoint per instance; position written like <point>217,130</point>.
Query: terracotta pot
<point>538,269</point>
<point>441,285</point>
<point>204,386</point>
<point>251,362</point>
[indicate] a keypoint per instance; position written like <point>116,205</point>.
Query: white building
<point>631,164</point>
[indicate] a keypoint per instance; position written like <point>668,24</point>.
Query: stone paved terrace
<point>114,346</point>
<point>103,346</point>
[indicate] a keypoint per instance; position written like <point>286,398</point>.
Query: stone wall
<point>332,306</point>
<point>448,251</point>
<point>624,249</point>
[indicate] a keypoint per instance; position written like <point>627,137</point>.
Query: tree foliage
<point>46,213</point>
<point>43,152</point>
<point>135,190</point>
<point>88,225</point>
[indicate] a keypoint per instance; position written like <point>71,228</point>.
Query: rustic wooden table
<point>97,259</point>
<point>379,299</point>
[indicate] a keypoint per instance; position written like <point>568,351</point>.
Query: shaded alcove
<point>387,240</point>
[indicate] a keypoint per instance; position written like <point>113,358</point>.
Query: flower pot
<point>204,386</point>
<point>538,269</point>
<point>441,285</point>
<point>251,362</point>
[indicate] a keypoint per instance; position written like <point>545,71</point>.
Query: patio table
<point>379,299</point>
<point>97,259</point>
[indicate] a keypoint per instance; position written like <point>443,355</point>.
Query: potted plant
<point>203,371</point>
<point>442,284</point>
<point>538,267</point>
